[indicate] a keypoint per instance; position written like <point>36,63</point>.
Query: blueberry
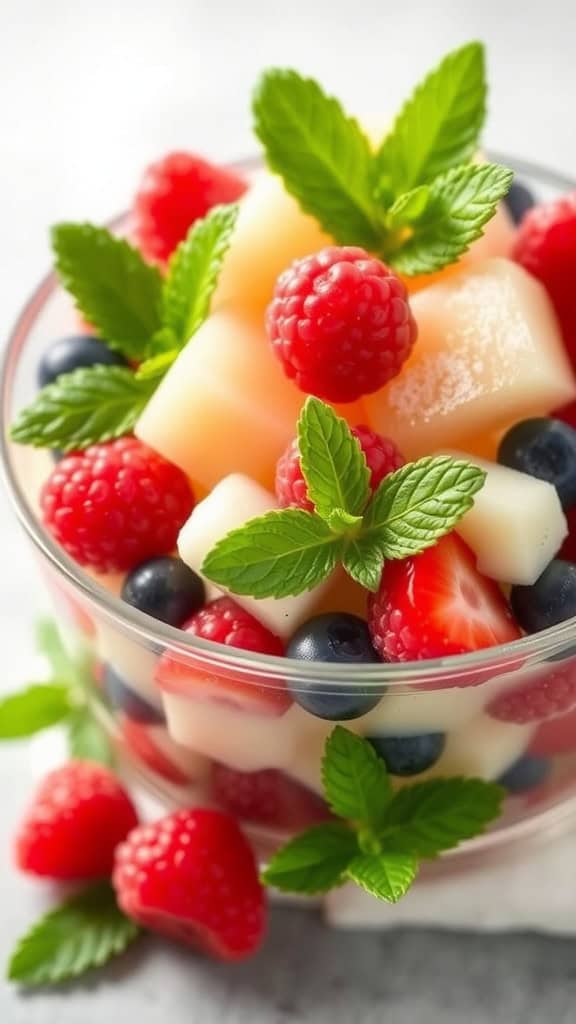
<point>123,698</point>
<point>552,599</point>
<point>519,200</point>
<point>546,449</point>
<point>164,588</point>
<point>409,755</point>
<point>340,639</point>
<point>526,773</point>
<point>69,354</point>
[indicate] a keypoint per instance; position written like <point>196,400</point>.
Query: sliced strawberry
<point>436,604</point>
<point>267,797</point>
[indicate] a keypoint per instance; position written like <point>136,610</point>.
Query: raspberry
<point>79,815</point>
<point>174,193</point>
<point>116,504</point>
<point>267,797</point>
<point>381,454</point>
<point>550,691</point>
<point>192,876</point>
<point>225,622</point>
<point>546,246</point>
<point>340,323</point>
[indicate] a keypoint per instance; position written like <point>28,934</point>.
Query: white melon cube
<point>516,524</point>
<point>234,501</point>
<point>402,714</point>
<point>484,749</point>
<point>489,352</point>
<point>130,660</point>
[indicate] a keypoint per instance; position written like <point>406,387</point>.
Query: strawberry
<point>152,745</point>
<point>192,876</point>
<point>436,604</point>
<point>78,817</point>
<point>267,797</point>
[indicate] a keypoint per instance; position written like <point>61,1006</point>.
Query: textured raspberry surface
<point>267,797</point>
<point>175,192</point>
<point>550,691</point>
<point>381,454</point>
<point>192,876</point>
<point>116,504</point>
<point>78,817</point>
<point>340,323</point>
<point>225,622</point>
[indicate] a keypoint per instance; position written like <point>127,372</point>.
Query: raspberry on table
<point>114,505</point>
<point>340,323</point>
<point>175,192</point>
<point>381,454</point>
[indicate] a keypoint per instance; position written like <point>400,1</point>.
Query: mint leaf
<point>333,463</point>
<point>355,780</point>
<point>430,817</point>
<point>84,932</point>
<point>193,272</point>
<point>387,875</point>
<point>87,739</point>
<point>322,155</point>
<point>37,707</point>
<point>419,503</point>
<point>114,289</point>
<point>440,124</point>
<point>276,555</point>
<point>49,643</point>
<point>409,207</point>
<point>460,204</point>
<point>94,404</point>
<point>314,861</point>
<point>154,368</point>
<point>341,521</point>
<point>363,561</point>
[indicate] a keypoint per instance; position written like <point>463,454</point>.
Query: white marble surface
<point>90,92</point>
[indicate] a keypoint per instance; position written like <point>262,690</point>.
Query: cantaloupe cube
<point>224,406</point>
<point>270,233</point>
<point>234,501</point>
<point>488,352</point>
<point>515,526</point>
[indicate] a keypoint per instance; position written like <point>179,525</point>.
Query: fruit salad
<point>313,429</point>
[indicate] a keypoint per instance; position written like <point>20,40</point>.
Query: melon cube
<point>131,661</point>
<point>483,749</point>
<point>488,352</point>
<point>224,406</point>
<point>515,526</point>
<point>234,501</point>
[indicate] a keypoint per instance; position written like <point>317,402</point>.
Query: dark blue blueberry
<point>526,773</point>
<point>164,588</point>
<point>519,200</point>
<point>552,599</point>
<point>341,639</point>
<point>123,698</point>
<point>69,354</point>
<point>544,448</point>
<point>409,755</point>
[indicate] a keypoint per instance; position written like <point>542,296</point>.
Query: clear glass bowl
<point>183,748</point>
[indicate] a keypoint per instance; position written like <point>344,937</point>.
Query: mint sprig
<point>385,835</point>
<point>85,932</point>
<point>289,551</point>
<point>37,707</point>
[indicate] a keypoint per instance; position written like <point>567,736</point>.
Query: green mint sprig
<point>384,834</point>
<point>288,551</point>
<point>412,201</point>
<point>136,312</point>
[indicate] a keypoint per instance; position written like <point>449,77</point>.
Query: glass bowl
<point>187,747</point>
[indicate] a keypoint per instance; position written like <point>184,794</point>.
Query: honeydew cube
<point>515,526</point>
<point>234,501</point>
<point>270,233</point>
<point>489,352</point>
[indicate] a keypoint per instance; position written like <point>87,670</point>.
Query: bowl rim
<point>270,670</point>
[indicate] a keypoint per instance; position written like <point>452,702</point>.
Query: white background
<point>89,92</point>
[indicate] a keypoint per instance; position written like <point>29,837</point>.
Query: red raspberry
<point>381,454</point>
<point>175,192</point>
<point>546,246</point>
<point>192,876</point>
<point>550,691</point>
<point>267,797</point>
<point>225,622</point>
<point>555,736</point>
<point>116,504</point>
<point>79,815</point>
<point>340,323</point>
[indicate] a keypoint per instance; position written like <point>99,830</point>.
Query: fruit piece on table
<point>489,352</point>
<point>536,693</point>
<point>153,746</point>
<point>164,588</point>
<point>72,352</point>
<point>192,876</point>
<point>234,501</point>
<point>224,406</point>
<point>271,232</point>
<point>526,773</point>
<point>515,526</point>
<point>266,797</point>
<point>436,604</point>
<point>175,192</point>
<point>549,601</point>
<point>79,815</point>
<point>410,754</point>
<point>545,448</point>
<point>123,698</point>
